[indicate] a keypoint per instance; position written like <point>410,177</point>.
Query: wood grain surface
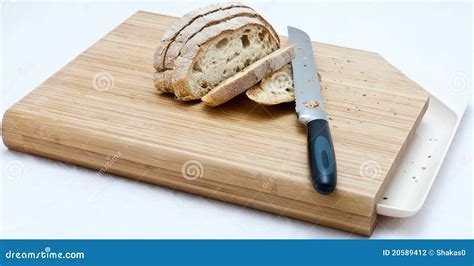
<point>101,111</point>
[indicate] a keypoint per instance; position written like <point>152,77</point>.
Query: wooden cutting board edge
<point>352,223</point>
<point>344,220</point>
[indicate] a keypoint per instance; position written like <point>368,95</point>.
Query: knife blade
<point>310,110</point>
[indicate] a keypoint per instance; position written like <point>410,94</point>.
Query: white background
<point>48,199</point>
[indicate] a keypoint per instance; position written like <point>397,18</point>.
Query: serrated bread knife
<point>310,110</point>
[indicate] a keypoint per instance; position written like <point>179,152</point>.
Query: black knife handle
<point>322,158</point>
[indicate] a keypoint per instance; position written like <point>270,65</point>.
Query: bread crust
<point>162,81</point>
<point>186,28</point>
<point>201,23</point>
<point>183,22</point>
<point>183,64</point>
<point>249,76</point>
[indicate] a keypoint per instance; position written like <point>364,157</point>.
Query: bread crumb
<point>429,156</point>
<point>311,104</point>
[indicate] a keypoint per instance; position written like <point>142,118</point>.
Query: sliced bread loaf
<point>218,52</point>
<point>182,23</point>
<point>274,89</point>
<point>249,76</point>
<point>188,26</point>
<point>199,24</point>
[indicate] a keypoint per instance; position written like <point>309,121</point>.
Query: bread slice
<point>211,19</point>
<point>218,52</point>
<point>182,23</point>
<point>249,76</point>
<point>274,89</point>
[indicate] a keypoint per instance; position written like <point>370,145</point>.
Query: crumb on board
<point>423,168</point>
<point>385,198</point>
<point>311,104</point>
<point>413,177</point>
<point>429,156</point>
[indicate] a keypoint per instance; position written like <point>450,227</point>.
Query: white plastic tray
<point>419,166</point>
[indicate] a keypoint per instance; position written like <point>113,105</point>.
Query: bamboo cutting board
<point>101,111</point>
